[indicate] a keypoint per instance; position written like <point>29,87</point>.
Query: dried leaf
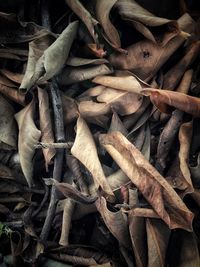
<point>29,136</point>
<point>46,126</point>
<point>66,221</point>
<point>115,221</point>
<point>120,101</point>
<point>70,109</point>
<point>8,129</point>
<point>117,125</point>
<point>84,150</point>
<point>72,75</point>
<point>178,100</point>
<point>127,83</point>
<point>183,250</point>
<point>167,138</point>
<point>46,61</point>
<point>34,68</point>
<point>70,191</point>
<point>173,76</point>
<point>145,58</point>
<point>185,136</point>
<point>138,238</point>
<point>157,238</point>
<point>85,16</point>
<point>14,77</point>
<point>140,18</point>
<point>76,61</point>
<point>103,8</point>
<point>16,31</point>
<point>153,186</point>
<point>56,55</point>
<point>195,172</point>
<point>12,94</point>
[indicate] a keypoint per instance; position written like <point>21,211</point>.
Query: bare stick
<point>67,145</point>
<point>57,171</point>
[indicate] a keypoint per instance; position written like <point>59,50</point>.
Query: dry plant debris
<point>99,133</point>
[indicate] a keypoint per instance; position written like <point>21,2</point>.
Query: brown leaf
<point>157,239</point>
<point>188,104</point>
<point>140,18</point>
<point>138,238</point>
<point>115,221</point>
<point>84,149</point>
<point>153,186</point>
<point>145,58</point>
<point>46,126</point>
<point>173,76</point>
<point>117,125</point>
<point>167,138</point>
<point>85,16</point>
<point>195,172</point>
<point>70,109</point>
<point>8,127</point>
<point>72,75</point>
<point>103,8</point>
<point>29,136</point>
<point>15,31</point>
<point>70,191</point>
<point>183,250</point>
<point>121,101</point>
<point>127,83</point>
<point>12,94</point>
<point>185,136</point>
<point>14,77</point>
<point>77,61</point>
<point>34,67</point>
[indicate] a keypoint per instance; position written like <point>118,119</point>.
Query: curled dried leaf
<point>127,83</point>
<point>153,186</point>
<point>29,136</point>
<point>85,16</point>
<point>178,100</point>
<point>115,221</point>
<point>103,8</point>
<point>84,149</point>
<point>120,101</point>
<point>8,129</point>
<point>46,125</point>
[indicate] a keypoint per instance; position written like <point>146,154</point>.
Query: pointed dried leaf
<point>157,238</point>
<point>77,61</point>
<point>127,83</point>
<point>29,136</point>
<point>103,8</point>
<point>46,126</point>
<point>138,238</point>
<point>115,221</point>
<point>84,149</point>
<point>173,76</point>
<point>145,58</point>
<point>140,18</point>
<point>85,16</point>
<point>72,75</point>
<point>56,55</point>
<point>34,67</point>
<point>8,127</point>
<point>178,100</point>
<point>117,125</point>
<point>121,101</point>
<point>184,250</point>
<point>153,186</point>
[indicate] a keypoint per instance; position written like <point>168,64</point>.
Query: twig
<point>57,171</point>
<point>67,145</point>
